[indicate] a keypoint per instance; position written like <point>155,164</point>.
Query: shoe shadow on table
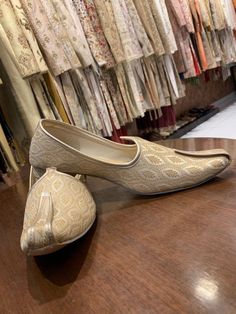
<point>50,276</point>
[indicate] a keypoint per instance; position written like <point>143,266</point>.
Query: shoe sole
<point>163,192</point>
<point>57,246</point>
<point>157,193</point>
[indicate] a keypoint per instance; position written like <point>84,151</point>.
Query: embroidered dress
<point>24,56</point>
<point>44,32</point>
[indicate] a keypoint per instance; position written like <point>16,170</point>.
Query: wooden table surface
<point>166,254</point>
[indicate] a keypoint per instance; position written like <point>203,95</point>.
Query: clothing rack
<point>101,64</point>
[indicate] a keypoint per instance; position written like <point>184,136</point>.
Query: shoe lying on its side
<point>59,210</point>
<point>142,167</point>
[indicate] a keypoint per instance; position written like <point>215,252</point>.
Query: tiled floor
<point>222,125</point>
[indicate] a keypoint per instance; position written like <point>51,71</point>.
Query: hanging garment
<point>21,91</point>
<point>71,31</point>
<point>134,89</point>
<point>29,35</point>
<point>217,14</point>
<point>58,85</point>
<point>180,55</point>
<point>113,87</point>
<point>141,74</point>
<point>187,15</point>
<point>228,46</point>
<point>145,13</point>
<point>25,59</point>
<point>90,32</point>
<point>41,99</point>
<point>234,3</point>
<point>175,85</point>
<point>207,21</point>
<point>93,82</point>
<point>7,45</point>
<point>129,40</point>
<point>229,13</point>
<point>4,146</point>
<point>161,17</point>
<point>141,34</point>
<point>123,86</point>
<point>71,97</point>
<point>150,82</point>
<point>211,34</point>
<point>109,103</point>
<point>80,79</point>
<point>55,96</point>
<point>43,29</point>
<point>207,45</point>
<point>97,29</point>
<point>184,57</point>
<point>106,15</point>
<point>83,50</point>
<point>60,32</point>
<point>199,29</point>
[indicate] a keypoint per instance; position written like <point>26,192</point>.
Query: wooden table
<point>169,254</point>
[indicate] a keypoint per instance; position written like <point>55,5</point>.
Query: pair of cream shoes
<point>140,166</point>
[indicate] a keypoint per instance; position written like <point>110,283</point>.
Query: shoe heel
<point>40,235</point>
<point>35,174</point>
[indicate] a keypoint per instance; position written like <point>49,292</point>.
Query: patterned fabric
<point>55,19</point>
<point>92,80</point>
<point>59,209</point>
<point>229,13</point>
<point>199,30</point>
<point>206,17</point>
<point>90,32</point>
<point>41,99</point>
<point>71,97</point>
<point>129,39</point>
<point>106,15</point>
<point>109,103</point>
<point>97,29</point>
<point>28,32</point>
<point>113,87</point>
<point>145,13</point>
<point>141,34</point>
<point>71,32</point>
<point>154,169</point>
<point>187,15</point>
<point>123,86</point>
<point>217,14</point>
<point>23,54</point>
<point>44,32</point>
<point>27,108</point>
<point>162,20</point>
<point>83,50</point>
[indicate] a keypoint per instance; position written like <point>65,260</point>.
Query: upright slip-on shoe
<point>143,167</point>
<point>59,210</point>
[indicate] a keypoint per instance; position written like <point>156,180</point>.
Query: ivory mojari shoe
<point>143,167</point>
<point>59,210</point>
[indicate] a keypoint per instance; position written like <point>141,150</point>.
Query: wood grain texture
<point>174,253</point>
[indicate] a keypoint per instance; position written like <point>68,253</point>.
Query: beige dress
<point>145,12</point>
<point>24,56</point>
<point>108,22</point>
<point>54,53</point>
<point>26,106</point>
<point>29,35</point>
